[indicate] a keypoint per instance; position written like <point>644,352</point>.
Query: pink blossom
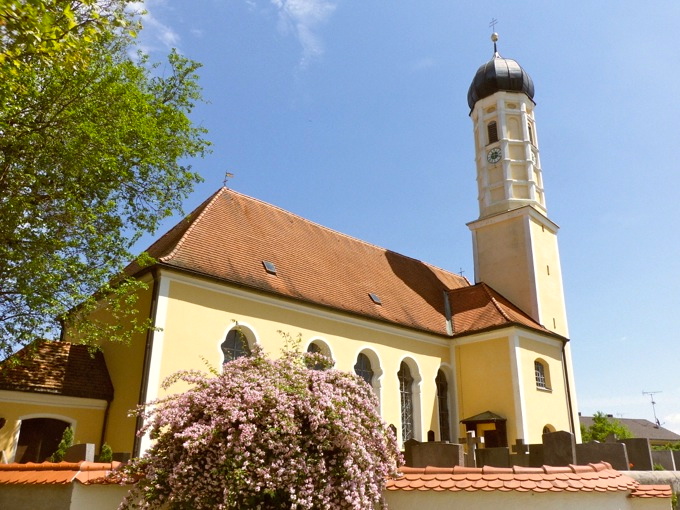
<point>268,434</point>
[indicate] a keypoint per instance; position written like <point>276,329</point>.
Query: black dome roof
<point>499,74</point>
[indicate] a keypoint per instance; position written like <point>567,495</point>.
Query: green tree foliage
<point>106,453</point>
<point>602,427</point>
<point>92,150</point>
<point>65,443</point>
<point>33,31</point>
<point>667,446</point>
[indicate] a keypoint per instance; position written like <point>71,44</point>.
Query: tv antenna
<point>651,396</point>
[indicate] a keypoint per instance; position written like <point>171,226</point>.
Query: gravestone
<point>78,452</point>
<point>536,455</point>
<point>559,448</point>
<point>614,453</point>
<point>639,453</point>
<point>121,457</point>
<point>408,451</point>
<point>496,457</point>
<point>664,458</point>
<point>435,454</point>
<point>676,458</point>
<point>472,444</point>
<point>520,455</point>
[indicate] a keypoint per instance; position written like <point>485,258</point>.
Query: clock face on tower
<point>494,155</point>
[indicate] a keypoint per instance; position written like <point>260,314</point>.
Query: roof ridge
<point>328,229</point>
<point>495,302</point>
<point>198,218</point>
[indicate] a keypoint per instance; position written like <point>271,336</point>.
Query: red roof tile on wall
<point>598,477</point>
<point>56,473</point>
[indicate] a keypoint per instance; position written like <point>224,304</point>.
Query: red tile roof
<point>59,368</point>
<point>598,477</point>
<point>480,307</point>
<point>230,235</point>
<point>56,473</point>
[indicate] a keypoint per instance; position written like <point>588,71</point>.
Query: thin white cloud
<point>672,422</point>
<point>155,35</point>
<point>303,18</point>
<point>423,63</point>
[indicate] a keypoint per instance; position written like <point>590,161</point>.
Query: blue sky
<point>354,115</point>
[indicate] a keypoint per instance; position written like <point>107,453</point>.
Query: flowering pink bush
<point>268,434</point>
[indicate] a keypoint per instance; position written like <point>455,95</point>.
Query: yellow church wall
<point>86,416</point>
<point>125,363</point>
<point>548,278</point>
<point>548,406</point>
<point>501,259</point>
<point>497,374</point>
<point>196,316</point>
<point>485,380</point>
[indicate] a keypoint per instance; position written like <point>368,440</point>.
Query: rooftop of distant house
<point>639,427</point>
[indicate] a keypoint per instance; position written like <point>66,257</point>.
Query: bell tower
<point>514,241</point>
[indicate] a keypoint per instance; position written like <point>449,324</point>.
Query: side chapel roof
<point>58,368</point>
<point>230,235</point>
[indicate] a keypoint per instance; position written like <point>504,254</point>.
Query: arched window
<point>235,345</point>
<point>540,370</point>
<point>492,131</point>
<point>315,348</point>
<point>406,391</point>
<point>443,399</point>
<point>39,438</point>
<point>363,368</point>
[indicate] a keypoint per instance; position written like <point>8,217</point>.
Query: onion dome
<point>499,74</point>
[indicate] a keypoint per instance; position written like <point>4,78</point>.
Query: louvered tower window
<point>443,398</point>
<point>492,131</point>
<point>406,391</point>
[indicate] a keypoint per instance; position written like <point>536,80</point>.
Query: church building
<point>444,355</point>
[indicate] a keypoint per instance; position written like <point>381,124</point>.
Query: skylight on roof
<point>269,267</point>
<point>375,298</point>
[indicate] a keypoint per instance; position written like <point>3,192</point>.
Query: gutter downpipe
<point>105,425</point>
<point>567,387</point>
<point>136,446</point>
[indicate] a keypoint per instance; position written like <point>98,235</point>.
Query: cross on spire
<point>494,35</point>
<point>227,176</point>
